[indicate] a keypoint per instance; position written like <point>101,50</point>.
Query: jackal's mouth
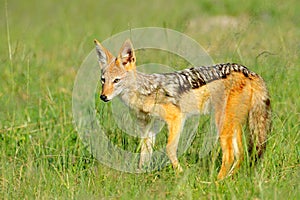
<point>106,100</point>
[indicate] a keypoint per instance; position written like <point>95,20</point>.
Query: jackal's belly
<point>196,101</point>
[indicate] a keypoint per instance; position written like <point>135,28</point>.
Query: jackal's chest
<point>140,103</point>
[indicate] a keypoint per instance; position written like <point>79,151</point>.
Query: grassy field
<point>43,44</point>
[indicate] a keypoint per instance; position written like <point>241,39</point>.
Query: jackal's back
<point>179,82</point>
<point>198,76</point>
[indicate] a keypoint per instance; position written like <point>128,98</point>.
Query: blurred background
<point>44,43</point>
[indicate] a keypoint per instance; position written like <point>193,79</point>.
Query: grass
<point>42,47</point>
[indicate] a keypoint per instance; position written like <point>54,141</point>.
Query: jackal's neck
<point>147,83</point>
<point>137,85</point>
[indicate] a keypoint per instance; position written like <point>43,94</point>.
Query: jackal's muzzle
<point>104,98</point>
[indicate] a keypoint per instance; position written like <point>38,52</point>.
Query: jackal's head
<point>115,70</point>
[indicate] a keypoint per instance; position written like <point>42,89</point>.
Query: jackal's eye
<point>116,80</point>
<point>102,80</point>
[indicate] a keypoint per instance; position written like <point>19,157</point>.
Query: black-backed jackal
<point>234,93</point>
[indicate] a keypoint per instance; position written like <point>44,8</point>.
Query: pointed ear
<point>103,54</point>
<point>127,55</point>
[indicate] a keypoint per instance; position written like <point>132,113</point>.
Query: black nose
<point>103,98</point>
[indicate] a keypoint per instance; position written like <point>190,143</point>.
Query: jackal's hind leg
<point>227,153</point>
<point>238,148</point>
<point>229,123</point>
<point>232,150</point>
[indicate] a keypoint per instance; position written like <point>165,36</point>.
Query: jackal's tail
<point>259,117</point>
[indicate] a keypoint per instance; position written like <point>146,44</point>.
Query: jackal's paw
<point>145,160</point>
<point>178,169</point>
<point>222,176</point>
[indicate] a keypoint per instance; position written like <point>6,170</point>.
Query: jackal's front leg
<point>147,145</point>
<point>148,135</point>
<point>175,120</point>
